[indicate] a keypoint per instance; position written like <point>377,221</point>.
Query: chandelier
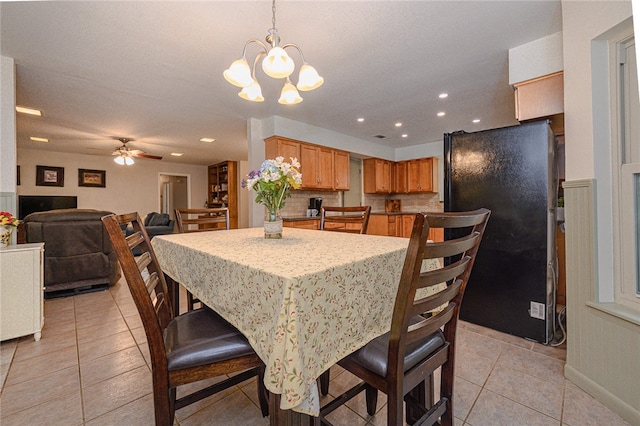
<point>276,64</point>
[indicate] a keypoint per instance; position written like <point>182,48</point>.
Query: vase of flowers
<point>273,184</point>
<point>7,224</point>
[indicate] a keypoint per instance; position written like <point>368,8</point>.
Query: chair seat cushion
<point>201,337</point>
<point>373,355</point>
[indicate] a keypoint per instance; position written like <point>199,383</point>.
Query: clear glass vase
<point>272,224</point>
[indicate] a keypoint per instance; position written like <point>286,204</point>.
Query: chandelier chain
<point>273,14</point>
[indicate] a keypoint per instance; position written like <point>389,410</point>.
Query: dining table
<point>304,301</point>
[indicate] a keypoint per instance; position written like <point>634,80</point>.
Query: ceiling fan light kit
<point>124,155</point>
<point>276,64</point>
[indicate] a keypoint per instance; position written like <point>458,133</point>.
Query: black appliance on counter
<point>315,203</point>
<point>512,172</point>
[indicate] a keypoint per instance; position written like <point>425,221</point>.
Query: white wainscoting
<point>603,350</point>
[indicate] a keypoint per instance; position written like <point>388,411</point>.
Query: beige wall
<point>603,348</point>
<point>128,188</point>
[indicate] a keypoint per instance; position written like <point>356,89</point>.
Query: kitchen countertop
<point>301,218</point>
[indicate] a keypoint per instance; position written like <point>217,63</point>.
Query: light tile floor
<point>91,367</point>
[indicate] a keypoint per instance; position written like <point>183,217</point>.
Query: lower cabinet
<point>397,225</point>
<point>303,224</point>
<point>22,290</point>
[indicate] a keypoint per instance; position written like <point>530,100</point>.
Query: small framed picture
<point>95,178</point>
<point>49,176</point>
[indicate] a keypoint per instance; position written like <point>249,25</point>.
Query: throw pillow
<point>148,218</point>
<point>159,220</point>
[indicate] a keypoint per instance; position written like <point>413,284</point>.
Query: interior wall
<point>128,188</point>
<point>602,349</point>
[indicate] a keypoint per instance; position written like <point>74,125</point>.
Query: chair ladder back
<point>202,217</point>
<point>432,302</point>
<point>442,275</point>
<point>345,216</point>
<point>451,247</point>
<point>150,292</point>
<point>428,326</point>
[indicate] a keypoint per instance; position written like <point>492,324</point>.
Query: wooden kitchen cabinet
<point>341,164</point>
<point>398,225</point>
<point>316,166</point>
<point>540,97</point>
<point>322,168</point>
<point>420,176</point>
<point>377,176</point>
<point>303,224</point>
<point>400,183</point>
<point>277,146</point>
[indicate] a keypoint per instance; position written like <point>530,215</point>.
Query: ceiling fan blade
<point>143,155</point>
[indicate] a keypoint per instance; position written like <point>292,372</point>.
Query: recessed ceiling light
<point>398,124</point>
<point>441,114</point>
<point>443,95</point>
<point>208,140</point>
<point>29,111</point>
<point>476,120</point>
<point>404,135</point>
<point>177,154</point>
<point>36,139</point>
<point>360,120</point>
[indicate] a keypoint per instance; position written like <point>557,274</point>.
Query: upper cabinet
<point>287,148</point>
<point>541,97</point>
<point>377,176</point>
<point>422,175</point>
<point>322,168</point>
<point>413,176</point>
<point>400,182</point>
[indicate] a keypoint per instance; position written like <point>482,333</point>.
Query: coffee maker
<point>315,203</point>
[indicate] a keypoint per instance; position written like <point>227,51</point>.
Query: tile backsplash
<point>298,203</point>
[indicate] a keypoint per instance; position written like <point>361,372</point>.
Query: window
<point>626,174</point>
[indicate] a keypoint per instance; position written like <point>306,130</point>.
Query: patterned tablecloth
<point>304,302</point>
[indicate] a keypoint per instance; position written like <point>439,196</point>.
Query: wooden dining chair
<point>401,362</point>
<point>199,220</point>
<point>194,220</point>
<point>354,220</point>
<point>186,348</point>
<point>345,219</point>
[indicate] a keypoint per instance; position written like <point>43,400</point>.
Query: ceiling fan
<point>125,154</point>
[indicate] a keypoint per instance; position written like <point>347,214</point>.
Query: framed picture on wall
<point>95,178</point>
<point>49,176</point>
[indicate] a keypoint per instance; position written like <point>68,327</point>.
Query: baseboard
<point>624,410</point>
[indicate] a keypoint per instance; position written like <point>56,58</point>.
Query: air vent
<point>380,136</point>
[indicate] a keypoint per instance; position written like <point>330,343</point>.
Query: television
<point>28,204</point>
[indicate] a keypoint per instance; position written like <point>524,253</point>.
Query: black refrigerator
<point>511,171</point>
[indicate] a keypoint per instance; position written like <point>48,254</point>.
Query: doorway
<point>353,197</point>
<point>174,190</point>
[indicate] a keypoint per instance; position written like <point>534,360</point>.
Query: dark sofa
<point>78,255</point>
<point>158,224</point>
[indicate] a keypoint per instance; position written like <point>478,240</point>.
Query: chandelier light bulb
<point>119,160</point>
<point>239,73</point>
<point>309,78</point>
<point>128,161</point>
<point>252,93</point>
<point>289,94</point>
<point>277,63</point>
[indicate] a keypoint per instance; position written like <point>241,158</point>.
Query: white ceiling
<point>152,71</point>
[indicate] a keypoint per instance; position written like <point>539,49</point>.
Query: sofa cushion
<point>157,219</point>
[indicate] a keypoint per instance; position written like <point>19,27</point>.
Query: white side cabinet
<point>21,290</point>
